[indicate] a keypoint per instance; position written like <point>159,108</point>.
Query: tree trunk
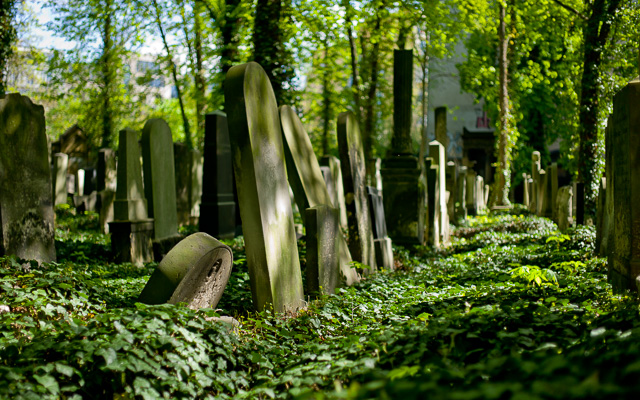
<point>354,66</point>
<point>106,62</point>
<point>424,66</point>
<point>198,72</point>
<point>595,36</point>
<point>174,74</point>
<point>267,42</point>
<point>326,100</point>
<point>7,36</point>
<point>503,170</point>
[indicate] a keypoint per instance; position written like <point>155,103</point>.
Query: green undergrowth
<point>512,309</point>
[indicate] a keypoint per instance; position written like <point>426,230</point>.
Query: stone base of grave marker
<point>161,247</point>
<point>131,241</point>
<point>195,272</point>
<point>384,253</point>
<point>323,231</point>
<point>105,199</point>
<point>404,199</point>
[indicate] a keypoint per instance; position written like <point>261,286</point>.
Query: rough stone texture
<point>159,174</point>
<point>485,201</point>
<point>323,240</point>
<point>90,179</point>
<point>461,194</point>
<point>106,198</point>
<point>130,204</point>
<point>333,179</point>
<point>525,186</point>
<point>382,242</point>
<point>553,190</point>
<point>601,215</point>
<point>471,193</point>
<point>437,153</point>
<point>451,188</point>
<point>624,245</point>
<point>307,182</point>
<point>441,127</point>
<point>401,142</point>
<point>106,173</point>
<point>218,207</point>
<point>263,191</point>
<point>26,203</point>
<point>131,241</point>
<point>563,207</point>
<point>535,168</point>
<point>188,166</point>
<point>353,176</point>
<point>432,229</point>
<point>542,202</point>
<point>195,271</point>
<point>60,166</point>
<point>609,225</point>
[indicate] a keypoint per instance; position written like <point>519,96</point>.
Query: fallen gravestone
<point>263,191</point>
<point>195,272</point>
<point>353,175</point>
<point>26,203</point>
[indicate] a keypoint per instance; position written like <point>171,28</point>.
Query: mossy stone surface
<point>130,203</point>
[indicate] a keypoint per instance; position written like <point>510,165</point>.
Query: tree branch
<point>571,9</point>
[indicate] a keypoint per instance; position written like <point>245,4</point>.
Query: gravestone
<point>333,179</point>
<point>563,207</point>
<point>542,190</point>
<point>197,168</point>
<point>263,191</point>
<point>471,193</point>
<point>451,188</point>
<point>90,179</point>
<point>480,194</point>
<point>104,206</point>
<point>535,168</point>
<point>218,207</point>
<point>60,166</point>
<point>106,173</point>
<point>378,175</point>
<point>80,182</point>
<point>352,163</point>
<point>381,240</point>
<point>26,194</point>
<point>525,186</point>
<point>195,272</point>
<point>461,191</point>
<point>552,188</point>
<point>402,173</point>
<point>131,228</point>
<point>308,185</point>
<point>579,193</point>
<point>602,223</point>
<point>188,178</point>
<point>609,214</point>
<point>624,245</point>
<point>323,242</point>
<point>159,185</point>
<point>432,230</point>
<point>437,153</point>
<point>441,127</point>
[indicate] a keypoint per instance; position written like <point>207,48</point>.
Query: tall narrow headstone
<point>402,173</point>
<point>80,182</point>
<point>309,188</point>
<point>552,187</point>
<point>432,230</point>
<point>480,194</point>
<point>333,179</point>
<point>609,213</point>
<point>525,185</point>
<point>263,191</point>
<point>352,163</point>
<point>26,203</point>
<point>563,207</point>
<point>196,186</point>
<point>159,185</point>
<point>437,153</point>
<point>535,168</point>
<point>184,160</point>
<point>441,127</point>
<point>601,218</point>
<point>218,207</point>
<point>579,203</point>
<point>624,251</point>
<point>542,202</point>
<point>106,173</point>
<point>60,166</point>
<point>382,242</point>
<point>461,192</point>
<point>471,193</point>
<point>323,241</point>
<point>451,188</point>
<point>132,229</point>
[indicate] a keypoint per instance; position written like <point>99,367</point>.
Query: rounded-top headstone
<point>195,272</point>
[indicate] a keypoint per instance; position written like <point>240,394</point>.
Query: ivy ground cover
<point>512,309</point>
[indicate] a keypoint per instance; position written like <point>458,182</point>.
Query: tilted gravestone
<point>309,189</point>
<point>381,240</point>
<point>218,207</point>
<point>159,185</point>
<point>353,176</point>
<point>263,191</point>
<point>437,153</point>
<point>323,255</point>
<point>26,203</point>
<point>624,245</point>
<point>563,207</point>
<point>330,167</point>
<point>195,272</point>
<point>60,166</point>
<point>131,228</point>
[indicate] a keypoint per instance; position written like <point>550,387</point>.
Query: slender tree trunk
<point>7,36</point>
<point>198,72</point>
<point>267,42</point>
<point>424,66</point>
<point>354,65</point>
<point>326,100</point>
<point>503,170</point>
<point>174,73</point>
<point>595,36</point>
<point>107,76</point>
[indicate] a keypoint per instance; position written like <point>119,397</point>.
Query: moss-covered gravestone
<point>309,190</point>
<point>352,163</point>
<point>59,175</point>
<point>218,208</point>
<point>333,179</point>
<point>132,229</point>
<point>437,153</point>
<point>563,207</point>
<point>323,244</point>
<point>461,193</point>
<point>195,272</point>
<point>471,195</point>
<point>26,203</point>
<point>263,191</point>
<point>432,228</point>
<point>159,185</point>
<point>381,240</point>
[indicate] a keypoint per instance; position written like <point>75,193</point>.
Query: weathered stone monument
<point>323,244</point>
<point>263,191</point>
<point>60,166</point>
<point>479,198</point>
<point>330,167</point>
<point>624,245</point>
<point>535,168</point>
<point>525,190</point>
<point>471,195</point>
<point>441,127</point>
<point>432,227</point>
<point>159,185</point>
<point>106,173</point>
<point>402,172</point>
<point>309,190</point>
<point>461,193</point>
<point>188,179</point>
<point>218,207</point>
<point>381,240</point>
<point>563,207</point>
<point>132,229</point>
<point>437,153</point>
<point>451,188</point>
<point>26,203</point>
<point>608,223</point>
<point>195,272</point>
<point>352,163</point>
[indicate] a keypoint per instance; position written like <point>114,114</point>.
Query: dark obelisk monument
<point>402,178</point>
